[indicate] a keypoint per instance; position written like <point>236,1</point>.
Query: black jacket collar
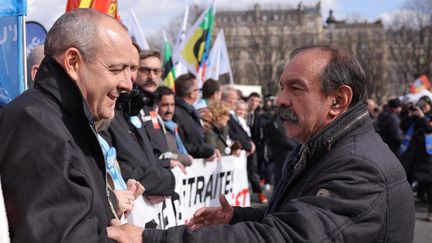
<point>321,143</point>
<point>52,80</point>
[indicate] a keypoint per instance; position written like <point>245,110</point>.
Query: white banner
<point>201,187</point>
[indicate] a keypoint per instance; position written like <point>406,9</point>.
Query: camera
<point>412,108</point>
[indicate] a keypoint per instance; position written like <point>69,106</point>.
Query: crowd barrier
<point>200,187</point>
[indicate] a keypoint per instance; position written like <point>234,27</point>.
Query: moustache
<point>150,82</point>
<point>168,113</point>
<point>286,114</point>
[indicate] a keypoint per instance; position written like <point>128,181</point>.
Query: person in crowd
<point>416,148</point>
<point>237,133</point>
<point>264,153</point>
<point>125,193</point>
<point>241,111</point>
<point>218,135</point>
<point>389,125</point>
<point>279,145</point>
<point>211,91</point>
<point>373,112</point>
<point>165,102</point>
<point>188,119</point>
<point>135,153</point>
<point>33,62</point>
<point>51,163</point>
<point>148,80</point>
<point>341,184</point>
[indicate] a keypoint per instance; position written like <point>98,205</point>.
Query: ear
<point>340,100</point>
<point>33,71</point>
<point>71,60</point>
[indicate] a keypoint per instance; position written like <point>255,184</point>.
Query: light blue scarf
<point>171,127</point>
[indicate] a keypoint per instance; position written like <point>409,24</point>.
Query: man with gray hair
<point>51,163</point>
<point>341,184</point>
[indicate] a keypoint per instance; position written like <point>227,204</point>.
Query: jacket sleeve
<point>395,130</point>
<point>60,211</point>
<point>346,210</point>
<point>198,148</point>
<point>237,133</point>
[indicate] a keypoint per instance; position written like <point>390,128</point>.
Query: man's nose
<point>126,82</point>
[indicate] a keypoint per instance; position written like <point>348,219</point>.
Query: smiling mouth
<point>113,97</point>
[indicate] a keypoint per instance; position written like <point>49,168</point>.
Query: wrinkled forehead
<point>306,65</point>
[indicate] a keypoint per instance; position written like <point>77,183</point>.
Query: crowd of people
<point>98,134</point>
<point>406,127</point>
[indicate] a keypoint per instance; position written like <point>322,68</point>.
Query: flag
<point>130,21</point>
<point>168,74</point>
<point>105,6</point>
<point>218,62</point>
<point>194,50</point>
<point>421,83</point>
<point>179,67</point>
<point>12,49</point>
<point>35,35</point>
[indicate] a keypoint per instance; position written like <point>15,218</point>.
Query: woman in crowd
<point>218,134</point>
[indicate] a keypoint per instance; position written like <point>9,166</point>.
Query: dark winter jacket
<point>390,131</point>
<point>154,129</point>
<point>278,143</point>
<point>219,138</point>
<point>190,130</point>
<point>237,133</point>
<point>136,156</point>
<point>416,161</point>
<point>344,185</point>
<point>51,164</point>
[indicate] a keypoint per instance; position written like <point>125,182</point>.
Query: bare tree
<point>410,45</point>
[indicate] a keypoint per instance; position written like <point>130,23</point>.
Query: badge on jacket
<point>154,120</point>
<point>323,193</point>
<point>135,121</point>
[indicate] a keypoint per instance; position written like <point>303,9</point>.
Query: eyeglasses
<point>147,70</point>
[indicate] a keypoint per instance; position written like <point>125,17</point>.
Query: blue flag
<point>11,49</point>
<point>13,8</point>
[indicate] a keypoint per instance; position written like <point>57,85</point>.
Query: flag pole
<point>25,53</point>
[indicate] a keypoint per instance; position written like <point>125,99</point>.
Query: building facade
<point>260,39</point>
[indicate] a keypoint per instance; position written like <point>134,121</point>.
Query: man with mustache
<point>148,80</point>
<point>341,184</point>
<point>166,106</point>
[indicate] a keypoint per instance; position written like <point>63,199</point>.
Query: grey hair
<point>226,90</point>
<point>77,28</point>
<point>342,69</point>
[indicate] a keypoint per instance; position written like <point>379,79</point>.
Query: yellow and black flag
<point>168,73</point>
<point>195,48</point>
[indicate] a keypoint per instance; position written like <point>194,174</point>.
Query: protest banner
<point>201,187</point>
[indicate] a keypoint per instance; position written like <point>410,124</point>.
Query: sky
<point>154,15</point>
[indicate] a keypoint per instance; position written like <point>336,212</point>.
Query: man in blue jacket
<point>341,184</point>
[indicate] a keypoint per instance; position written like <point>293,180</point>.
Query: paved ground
<point>423,229</point>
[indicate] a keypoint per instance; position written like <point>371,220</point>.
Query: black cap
<point>394,103</point>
